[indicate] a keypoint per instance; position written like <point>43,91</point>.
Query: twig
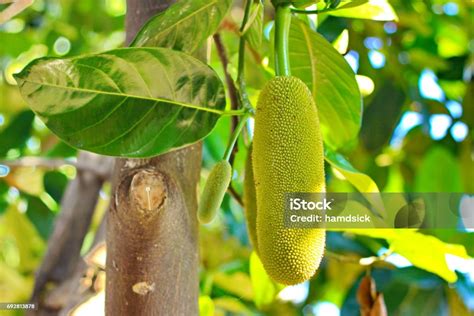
<point>230,150</point>
<point>241,64</point>
<point>234,98</point>
<point>233,28</point>
<point>342,258</point>
<point>54,163</point>
<point>235,195</point>
<point>239,97</point>
<point>231,87</point>
<point>363,261</point>
<point>38,162</point>
<point>13,9</point>
<point>243,97</point>
<point>294,10</point>
<point>302,11</point>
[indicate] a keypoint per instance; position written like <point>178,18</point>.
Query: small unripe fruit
<point>214,191</point>
<point>287,157</point>
<point>250,201</point>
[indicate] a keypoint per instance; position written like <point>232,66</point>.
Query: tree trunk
<point>152,230</point>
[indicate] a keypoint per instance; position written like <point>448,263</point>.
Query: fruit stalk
<point>235,136</point>
<point>282,30</point>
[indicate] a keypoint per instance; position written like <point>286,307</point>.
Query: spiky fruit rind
<point>287,157</point>
<point>216,185</point>
<point>250,201</point>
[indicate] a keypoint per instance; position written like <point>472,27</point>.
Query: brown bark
<point>64,246</point>
<point>152,243</point>
<point>152,230</point>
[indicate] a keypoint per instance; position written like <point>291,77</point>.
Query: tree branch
<point>363,261</point>
<point>13,9</point>
<point>52,164</point>
<point>235,195</point>
<point>231,89</point>
<point>64,245</point>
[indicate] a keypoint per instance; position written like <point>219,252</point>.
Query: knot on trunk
<point>144,191</point>
<point>148,190</point>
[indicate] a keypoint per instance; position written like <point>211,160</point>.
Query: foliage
<point>125,102</point>
<point>331,81</point>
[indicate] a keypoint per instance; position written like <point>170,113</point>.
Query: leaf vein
<point>191,106</point>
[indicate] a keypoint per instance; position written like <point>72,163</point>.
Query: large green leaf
<point>130,102</point>
<point>423,251</point>
<point>362,182</point>
<point>184,25</point>
<point>331,81</point>
<point>378,10</point>
<point>253,31</point>
<point>350,4</point>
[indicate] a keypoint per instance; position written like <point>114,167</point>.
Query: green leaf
<point>4,187</point>
<point>28,242</point>
<point>332,3</point>
<point>331,81</point>
<point>265,290</point>
<point>62,150</point>
<point>55,183</point>
<point>40,216</point>
<point>351,4</point>
<point>452,40</point>
<point>16,133</point>
<point>237,283</point>
<point>253,31</point>
<point>362,182</point>
<point>14,286</point>
<point>381,116</point>
<point>423,251</point>
<point>130,102</point>
<point>359,180</point>
<point>226,305</point>
<point>378,10</point>
<point>184,26</point>
<point>335,285</point>
<point>427,252</point>
<point>439,172</point>
<point>206,306</point>
<point>303,3</point>
<point>341,43</point>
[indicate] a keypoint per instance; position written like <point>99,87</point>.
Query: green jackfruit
<point>214,191</point>
<point>287,157</point>
<point>250,201</point>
